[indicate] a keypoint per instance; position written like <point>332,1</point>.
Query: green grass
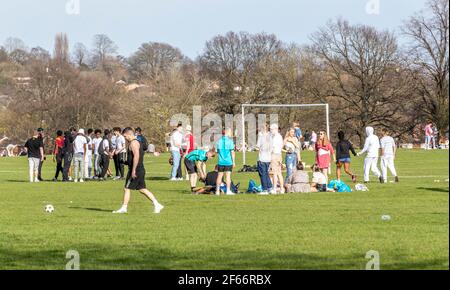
<point>296,231</point>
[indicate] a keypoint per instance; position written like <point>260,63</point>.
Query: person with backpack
<point>104,151</point>
<point>141,138</point>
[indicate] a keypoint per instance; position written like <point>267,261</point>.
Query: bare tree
<point>359,64</point>
<point>80,54</point>
<point>429,50</point>
<point>61,52</point>
<point>104,48</point>
<point>233,59</point>
<point>153,59</point>
<point>12,43</point>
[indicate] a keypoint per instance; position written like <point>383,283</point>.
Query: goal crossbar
<point>244,106</point>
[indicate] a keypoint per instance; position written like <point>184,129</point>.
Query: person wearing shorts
<point>195,162</point>
<point>226,150</point>
<point>343,149</point>
<point>136,173</point>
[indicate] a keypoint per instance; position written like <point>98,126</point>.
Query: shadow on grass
<point>127,257</point>
<point>157,178</point>
<point>434,189</point>
<point>92,209</point>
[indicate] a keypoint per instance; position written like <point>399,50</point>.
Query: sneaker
<point>55,180</point>
<point>231,193</point>
<point>396,179</point>
<point>37,180</point>
<point>274,192</point>
<point>218,193</point>
<point>180,179</point>
<point>81,180</point>
<point>263,193</point>
<point>187,178</point>
<point>70,178</point>
<point>75,181</point>
<point>158,208</point>
<point>116,178</point>
<point>173,179</point>
<point>282,191</point>
<point>121,211</point>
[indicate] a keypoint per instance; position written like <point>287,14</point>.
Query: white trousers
<point>388,163</point>
<point>371,164</point>
<point>87,166</point>
<point>33,166</point>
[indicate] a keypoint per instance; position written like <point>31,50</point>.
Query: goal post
<point>245,106</point>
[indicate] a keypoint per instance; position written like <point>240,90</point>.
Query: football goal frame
<point>245,106</point>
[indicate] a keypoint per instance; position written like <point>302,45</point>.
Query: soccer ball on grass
<point>49,208</point>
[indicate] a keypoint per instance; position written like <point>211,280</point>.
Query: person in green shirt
<point>195,163</point>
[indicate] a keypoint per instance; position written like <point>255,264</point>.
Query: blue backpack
<point>339,186</point>
<point>253,187</point>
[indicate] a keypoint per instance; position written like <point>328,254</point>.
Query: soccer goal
<point>248,107</point>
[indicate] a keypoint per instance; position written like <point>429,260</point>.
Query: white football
<point>49,208</point>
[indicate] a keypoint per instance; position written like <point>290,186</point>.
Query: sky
<point>187,24</point>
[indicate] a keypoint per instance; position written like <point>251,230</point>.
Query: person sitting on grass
<point>319,180</point>
<point>211,183</point>
<point>298,182</point>
<point>195,165</point>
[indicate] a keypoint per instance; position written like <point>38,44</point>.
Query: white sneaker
<point>173,179</point>
<point>36,180</point>
<point>81,180</point>
<point>231,193</point>
<point>180,179</point>
<point>282,191</point>
<point>158,208</point>
<point>76,180</point>
<point>218,193</point>
<point>187,178</point>
<point>263,193</point>
<point>120,211</point>
<point>70,178</point>
<point>274,192</point>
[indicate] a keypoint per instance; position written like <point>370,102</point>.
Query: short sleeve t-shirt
<point>120,144</point>
<point>388,144</point>
<point>189,140</point>
<point>96,143</point>
<point>224,148</point>
<point>79,143</point>
<point>33,145</point>
<point>319,178</point>
<point>197,155</point>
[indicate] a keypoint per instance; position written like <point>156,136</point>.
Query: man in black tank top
<point>136,173</point>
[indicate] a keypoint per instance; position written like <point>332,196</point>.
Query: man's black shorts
<point>137,183</point>
<point>225,168</point>
<point>190,166</point>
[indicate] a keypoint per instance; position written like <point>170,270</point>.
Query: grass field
<point>297,231</point>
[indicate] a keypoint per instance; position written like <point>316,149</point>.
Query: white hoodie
<point>372,145</point>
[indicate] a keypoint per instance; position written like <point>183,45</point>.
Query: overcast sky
<point>187,24</point>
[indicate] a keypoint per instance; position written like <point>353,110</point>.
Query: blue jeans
<point>176,155</point>
<point>263,170</point>
<point>291,163</point>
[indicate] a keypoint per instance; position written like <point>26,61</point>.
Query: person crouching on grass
<point>343,148</point>
<point>195,165</point>
<point>227,157</point>
<point>136,173</point>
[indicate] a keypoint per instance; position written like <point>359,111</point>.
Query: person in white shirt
<point>276,148</point>
<point>264,159</point>
<point>89,153</point>
<point>371,147</point>
<point>119,154</point>
<point>79,148</point>
<point>176,141</point>
<point>96,144</point>
<point>388,152</point>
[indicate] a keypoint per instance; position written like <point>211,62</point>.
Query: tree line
<point>364,73</point>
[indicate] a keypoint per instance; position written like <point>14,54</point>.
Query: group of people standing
<point>81,155</point>
<point>271,146</point>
